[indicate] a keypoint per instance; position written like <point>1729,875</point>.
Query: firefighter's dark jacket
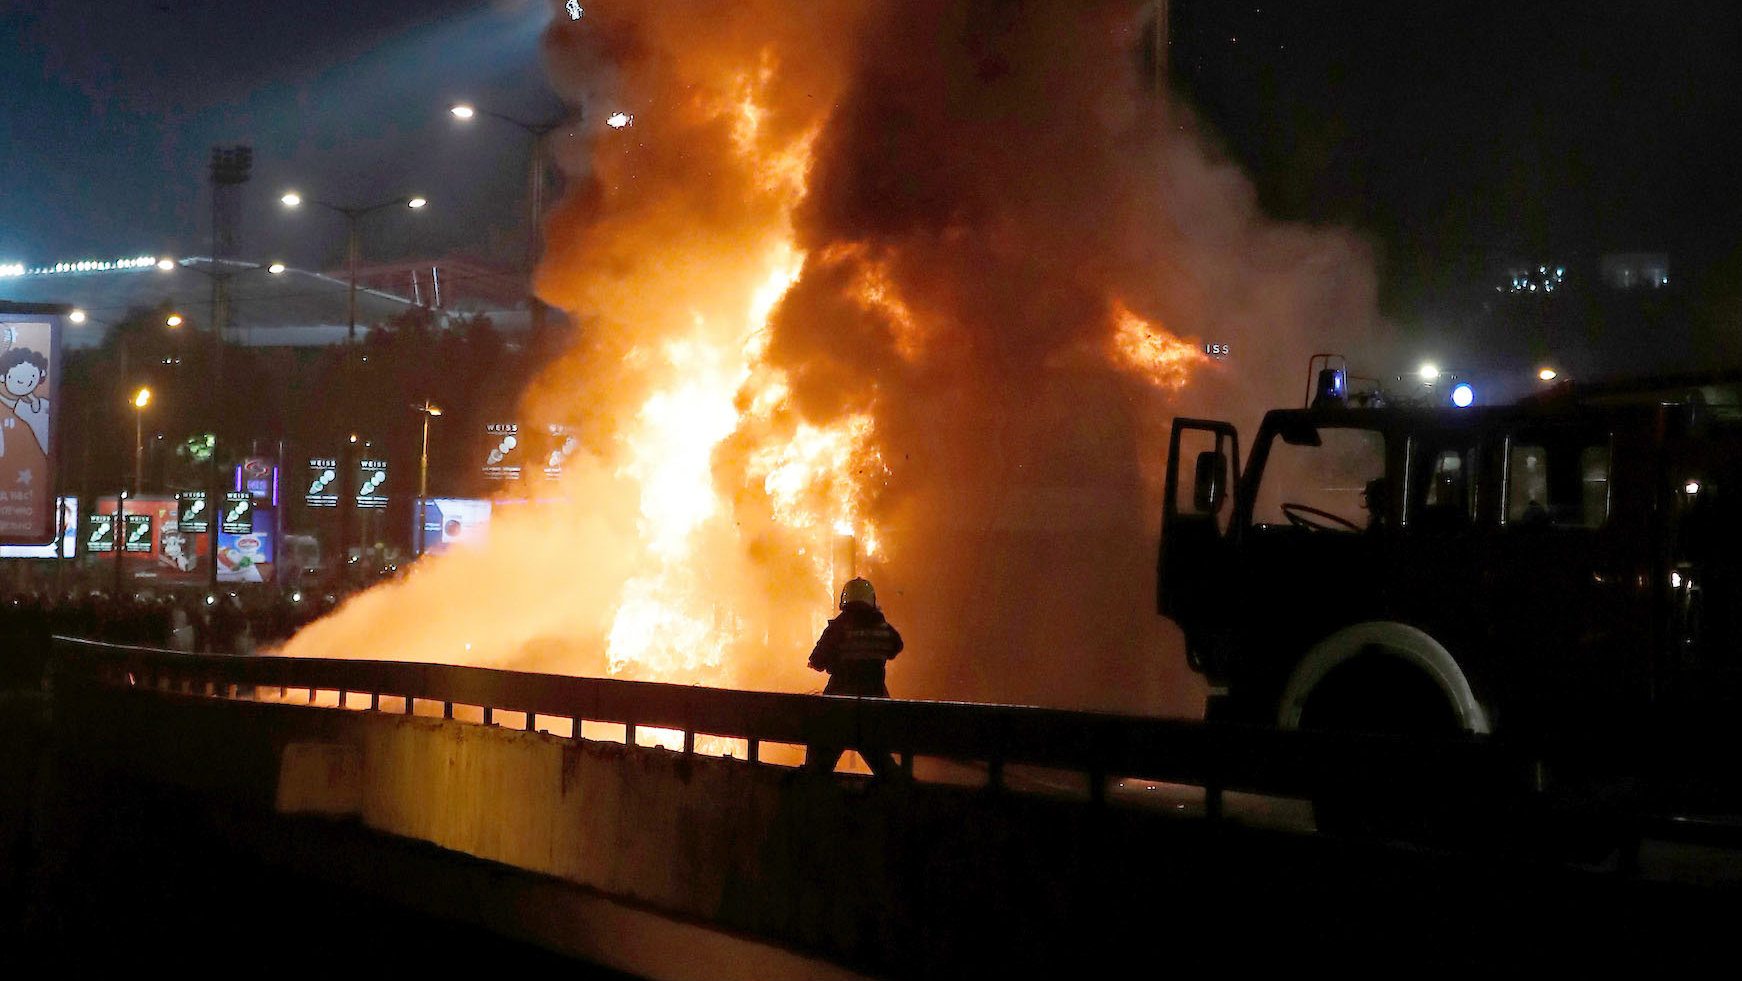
<point>853,649</point>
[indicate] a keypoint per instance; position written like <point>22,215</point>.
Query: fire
<point>865,289</point>
<point>1146,347</point>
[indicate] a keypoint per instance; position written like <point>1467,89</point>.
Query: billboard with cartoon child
<point>29,378</point>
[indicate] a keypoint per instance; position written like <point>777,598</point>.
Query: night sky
<point>1459,136</point>
<point>1455,136</point>
<point>111,109</point>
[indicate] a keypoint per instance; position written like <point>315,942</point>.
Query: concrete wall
<point>909,880</point>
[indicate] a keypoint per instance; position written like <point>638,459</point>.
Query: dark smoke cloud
<point>1003,169</point>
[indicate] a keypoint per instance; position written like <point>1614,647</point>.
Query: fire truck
<point>1562,573</point>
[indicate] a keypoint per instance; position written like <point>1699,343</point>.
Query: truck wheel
<point>1382,694</point>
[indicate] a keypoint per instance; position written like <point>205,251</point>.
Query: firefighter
<point>853,649</point>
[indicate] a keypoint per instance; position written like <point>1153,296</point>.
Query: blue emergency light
<point>1463,395</point>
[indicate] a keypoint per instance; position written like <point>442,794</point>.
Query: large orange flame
<point>878,289</point>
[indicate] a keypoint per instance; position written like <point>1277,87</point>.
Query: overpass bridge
<point>662,831</point>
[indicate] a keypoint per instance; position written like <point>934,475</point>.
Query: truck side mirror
<point>1209,481</point>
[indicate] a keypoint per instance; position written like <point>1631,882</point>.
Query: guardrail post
<point>447,710</point>
<point>374,701</point>
<point>755,750</point>
<point>628,733</point>
<point>994,774</point>
<point>689,741</point>
<point>341,698</point>
<point>907,765</point>
<point>489,716</point>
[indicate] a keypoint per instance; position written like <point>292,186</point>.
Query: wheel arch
<point>1385,638</point>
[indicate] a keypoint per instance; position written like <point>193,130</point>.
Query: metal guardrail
<point>1100,746</point>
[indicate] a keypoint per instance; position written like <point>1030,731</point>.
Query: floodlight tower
<point>231,168</point>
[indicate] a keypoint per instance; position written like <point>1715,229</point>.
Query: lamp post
<point>539,133</point>
<point>141,399</point>
<point>353,215</point>
<point>428,410</point>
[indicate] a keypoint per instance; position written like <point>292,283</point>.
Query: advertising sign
<point>502,451</point>
<point>238,513</point>
<point>245,558</point>
<point>322,487</point>
<point>138,528</point>
<point>192,515</point>
<point>258,475</point>
<point>371,483</point>
<point>156,545</point>
<point>453,521</point>
<point>69,541</point>
<point>560,444</point>
<point>29,397</point>
<point>100,533</point>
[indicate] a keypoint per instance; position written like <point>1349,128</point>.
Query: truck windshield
<point>1323,479</point>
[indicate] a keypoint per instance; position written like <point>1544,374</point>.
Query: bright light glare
<point>276,268</point>
<point>77,316</point>
<point>618,120</point>
<point>1463,395</point>
<point>1692,487</point>
<point>1547,374</point>
<point>416,203</point>
<point>1429,372</point>
<point>166,264</point>
<point>291,199</point>
<point>173,320</point>
<point>574,9</point>
<point>142,398</point>
<point>463,111</point>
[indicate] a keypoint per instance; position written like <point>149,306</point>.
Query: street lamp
<point>539,133</point>
<point>77,316</point>
<point>1547,374</point>
<point>166,264</point>
<point>173,320</point>
<point>428,410</point>
<point>1429,373</point>
<point>141,399</point>
<point>353,214</point>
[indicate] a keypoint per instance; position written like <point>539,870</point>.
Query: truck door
<point>1569,619</point>
<point>1203,470</point>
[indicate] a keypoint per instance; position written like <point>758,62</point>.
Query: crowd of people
<point>233,621</point>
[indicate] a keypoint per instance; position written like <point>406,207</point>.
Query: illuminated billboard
<point>450,522</point>
<point>29,397</point>
<point>502,451</point>
<point>371,483</point>
<point>321,490</point>
<point>69,538</point>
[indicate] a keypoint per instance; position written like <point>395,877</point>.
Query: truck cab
<point>1562,571</point>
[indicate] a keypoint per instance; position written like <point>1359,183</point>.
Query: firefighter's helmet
<point>858,591</point>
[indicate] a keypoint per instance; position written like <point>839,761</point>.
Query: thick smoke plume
<point>931,275</point>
